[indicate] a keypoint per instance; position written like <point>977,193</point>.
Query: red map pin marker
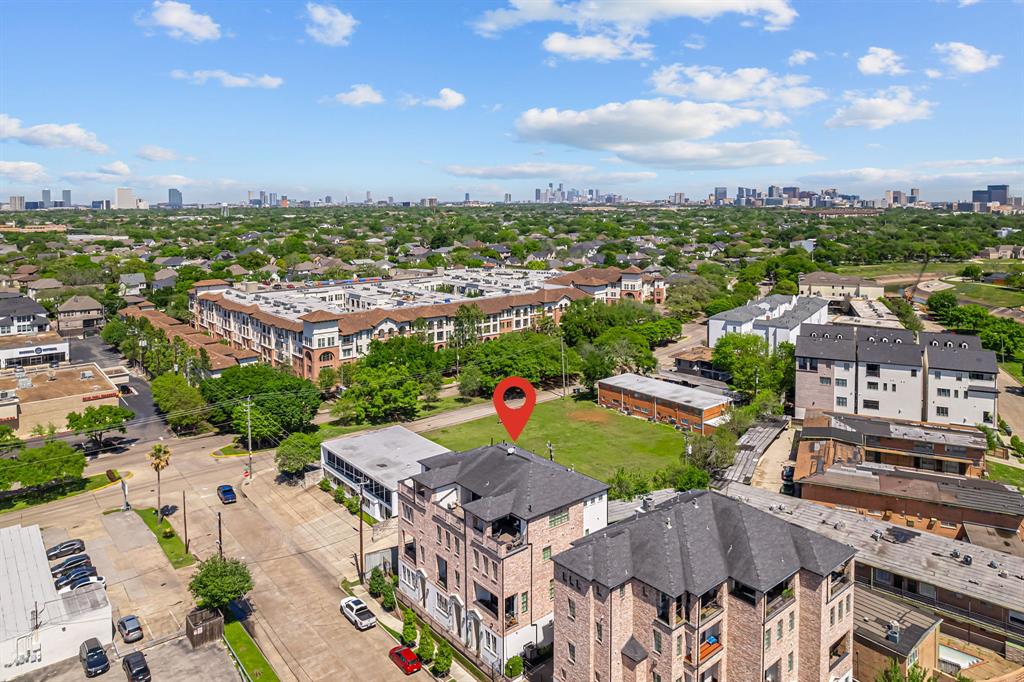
<point>514,418</point>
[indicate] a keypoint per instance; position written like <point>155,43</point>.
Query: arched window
<point>326,356</point>
<point>839,337</point>
<point>885,339</point>
<point>963,344</point>
<point>814,335</point>
<point>899,340</point>
<point>935,343</point>
<point>949,344</point>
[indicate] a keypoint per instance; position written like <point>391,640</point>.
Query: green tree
<point>181,404</point>
<point>387,600</point>
<point>54,461</point>
<point>219,581</point>
<point>466,330</point>
<point>409,628</point>
<point>470,381</point>
<point>1004,336</point>
<point>377,582</point>
<point>114,332</point>
<point>327,379</point>
<point>442,659</point>
<point>379,395</point>
<point>290,401</point>
<point>710,453</point>
<point>970,318</point>
<point>514,667</point>
<point>532,356</point>
<point>915,673</point>
<point>786,287</point>
<point>297,452</point>
<point>431,387</point>
<point>94,422</point>
<point>972,271</point>
<point>745,357</point>
<point>159,459</point>
<point>941,302</point>
<point>596,363</point>
<point>256,422</point>
<point>9,440</point>
<point>425,650</point>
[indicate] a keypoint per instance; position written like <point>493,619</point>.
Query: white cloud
<point>26,172</point>
<point>229,80</point>
<point>359,95</point>
<point>116,168</point>
<point>601,48</point>
<point>990,161</point>
<point>964,58</point>
<point>713,155</point>
<point>446,99</point>
<point>111,172</point>
<point>568,171</point>
<point>937,184</point>
<point>630,17</point>
<point>753,85</point>
<point>933,73</point>
<point>641,121</point>
<point>695,42</point>
<point>330,26</point>
<point>968,3</point>
<point>181,22</point>
<point>879,61</point>
<point>50,135</point>
<point>152,152</point>
<point>892,105</point>
<point>801,57</point>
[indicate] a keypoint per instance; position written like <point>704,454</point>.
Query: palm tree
<point>159,459</point>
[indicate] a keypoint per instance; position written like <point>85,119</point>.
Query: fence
<point>204,626</point>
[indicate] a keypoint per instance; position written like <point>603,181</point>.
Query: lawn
<point>595,440</point>
<point>84,485</point>
<point>172,546</point>
<point>328,431</point>
<point>901,268</point>
<point>988,294</point>
<point>248,654</point>
<point>1005,473</point>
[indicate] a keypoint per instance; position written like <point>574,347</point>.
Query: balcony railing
<point>776,605</point>
<point>710,610</point>
<point>502,548</point>
<point>454,517</point>
<point>709,649</point>
<point>410,553</point>
<point>835,660</point>
<point>489,607</point>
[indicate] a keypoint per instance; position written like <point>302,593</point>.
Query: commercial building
<point>314,327</point>
<point>17,203</point>
<point>690,409</point>
<point>886,630</point>
<point>124,197</point>
<point>612,285</point>
<point>174,198</point>
<point>705,588</point>
<point>38,627</point>
<point>776,318</point>
<point>975,590</point>
<point>838,288</point>
<point>377,461</point>
<point>25,350</point>
<point>65,197</point>
<point>478,532</point>
<point>942,378</point>
<point>43,396</point>
<point>80,316</point>
<point>20,315</point>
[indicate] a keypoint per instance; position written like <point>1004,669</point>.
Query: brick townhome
<point>691,409</point>
<point>478,531</point>
<point>703,588</point>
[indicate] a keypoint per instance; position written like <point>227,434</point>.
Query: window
<point>978,376</point>
<point>792,620</point>
<point>438,534</point>
<point>767,639</point>
<point>558,518</point>
<point>873,385</point>
<point>841,383</point>
<point>942,411</point>
<point>491,643</point>
<point>841,401</point>
<point>832,616</point>
<point>572,610</point>
<point>778,630</point>
<point>657,642</point>
<point>599,634</point>
<point>448,539</point>
<point>870,404</point>
<point>809,364</point>
<point>789,662</point>
<point>884,577</point>
<point>679,645</point>
<point>458,580</point>
<point>840,610</point>
<point>913,373</point>
<point>457,546</point>
<point>873,370</point>
<point>655,677</point>
<point>943,392</point>
<point>848,604</point>
<point>551,589</point>
<point>546,553</point>
<point>476,559</point>
<point>912,658</point>
<point>442,602</point>
<point>825,381</point>
<point>572,652</point>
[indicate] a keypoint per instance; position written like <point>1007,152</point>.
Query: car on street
<point>93,658</point>
<point>130,629</point>
<point>135,667</point>
<point>406,659</point>
<point>358,613</point>
<point>82,582</point>
<point>70,563</point>
<point>787,473</point>
<point>66,548</point>
<point>73,575</point>
<point>226,494</point>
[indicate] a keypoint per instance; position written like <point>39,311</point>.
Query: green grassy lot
<point>249,655</point>
<point>988,294</point>
<point>595,440</point>
<point>84,485</point>
<point>1005,473</point>
<point>1014,368</point>
<point>173,546</point>
<point>912,268</point>
<point>328,431</point>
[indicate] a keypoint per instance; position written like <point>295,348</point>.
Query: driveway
<point>93,349</point>
<point>1011,402</point>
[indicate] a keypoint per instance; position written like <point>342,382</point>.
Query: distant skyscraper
<point>66,198</point>
<point>792,192</point>
<point>432,202</point>
<point>17,203</point>
<point>1000,193</point>
<point>508,198</point>
<point>273,199</point>
<point>101,204</point>
<point>327,199</point>
<point>467,198</point>
<point>774,192</point>
<point>369,197</point>
<point>915,192</point>
<point>124,197</point>
<point>47,202</point>
<point>679,198</point>
<point>536,195</point>
<point>980,196</point>
<point>174,198</point>
<point>263,199</point>
<point>721,193</point>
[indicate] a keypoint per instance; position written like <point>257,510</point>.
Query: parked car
<point>406,659</point>
<point>82,582</point>
<point>93,658</point>
<point>73,575</point>
<point>130,629</point>
<point>787,473</point>
<point>66,548</point>
<point>70,563</point>
<point>226,494</point>
<point>357,613</point>
<point>135,667</point>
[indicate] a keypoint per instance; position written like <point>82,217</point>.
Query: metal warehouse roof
<point>664,390</point>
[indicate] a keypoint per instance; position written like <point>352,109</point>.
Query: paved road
<point>694,334</point>
<point>1011,402</point>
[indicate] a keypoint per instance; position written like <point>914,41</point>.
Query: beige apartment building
<point>704,588</point>
<point>834,287</point>
<point>478,533</point>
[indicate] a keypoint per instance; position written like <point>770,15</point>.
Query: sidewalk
<point>457,672</point>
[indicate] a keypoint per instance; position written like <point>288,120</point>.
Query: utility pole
<point>220,538</point>
<point>361,575</point>
<point>184,518</point>
<point>248,432</point>
<point>561,345</point>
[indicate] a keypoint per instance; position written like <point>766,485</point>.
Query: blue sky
<point>418,99</point>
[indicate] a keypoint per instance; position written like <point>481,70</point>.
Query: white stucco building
<point>776,318</point>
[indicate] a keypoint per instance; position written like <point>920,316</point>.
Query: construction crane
<point>909,292</point>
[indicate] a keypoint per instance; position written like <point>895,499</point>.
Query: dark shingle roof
<point>698,541</point>
<point>20,306</point>
<point>826,349</point>
<point>519,483</point>
<point>634,650</point>
<point>889,353</point>
<point>960,359</point>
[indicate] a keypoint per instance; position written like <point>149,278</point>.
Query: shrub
<point>409,628</point>
<point>387,600</point>
<point>168,532</point>
<point>325,485</point>
<point>352,504</point>
<point>442,659</point>
<point>376,582</point>
<point>426,648</point>
<point>514,666</point>
<point>339,496</point>
<point>1017,445</point>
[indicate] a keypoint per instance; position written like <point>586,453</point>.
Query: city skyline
<point>643,100</point>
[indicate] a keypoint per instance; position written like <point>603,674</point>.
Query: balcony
<point>454,516</point>
<point>409,552</point>
<point>710,647</point>
<point>776,605</point>
<point>487,601</point>
<point>710,609</point>
<point>838,653</point>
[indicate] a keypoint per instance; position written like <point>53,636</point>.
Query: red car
<point>406,659</point>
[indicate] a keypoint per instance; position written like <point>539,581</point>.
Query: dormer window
<point>935,343</point>
<point>963,345</point>
<point>885,340</point>
<point>949,344</point>
<point>839,337</point>
<point>871,339</point>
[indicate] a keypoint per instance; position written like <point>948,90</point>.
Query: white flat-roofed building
<point>380,459</point>
<point>38,627</point>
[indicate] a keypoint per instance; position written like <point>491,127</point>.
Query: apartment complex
<point>776,318</point>
<point>692,409</point>
<point>612,285</point>
<point>943,378</point>
<point>838,288</point>
<point>478,532</point>
<point>704,588</point>
<point>324,326</point>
